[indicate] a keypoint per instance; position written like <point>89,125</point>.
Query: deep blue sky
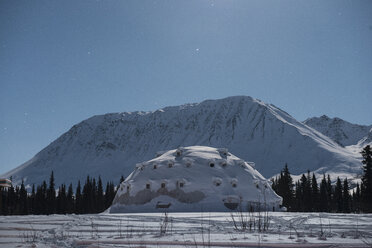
<point>64,61</point>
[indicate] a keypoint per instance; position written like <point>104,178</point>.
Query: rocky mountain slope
<point>342,132</point>
<point>110,145</point>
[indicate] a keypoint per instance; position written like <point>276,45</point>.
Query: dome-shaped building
<point>195,178</point>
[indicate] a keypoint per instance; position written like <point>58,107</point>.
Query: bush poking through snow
<point>164,222</point>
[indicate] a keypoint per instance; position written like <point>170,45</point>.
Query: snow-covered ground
<point>185,230</point>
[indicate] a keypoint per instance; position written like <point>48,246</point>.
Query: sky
<point>64,61</point>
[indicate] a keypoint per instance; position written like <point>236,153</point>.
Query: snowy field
<point>186,230</point>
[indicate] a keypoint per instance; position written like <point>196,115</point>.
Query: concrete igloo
<point>193,179</point>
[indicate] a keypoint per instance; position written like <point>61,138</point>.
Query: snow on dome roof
<point>195,178</point>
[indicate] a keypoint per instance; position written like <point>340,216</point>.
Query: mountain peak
<point>339,130</point>
<point>111,144</point>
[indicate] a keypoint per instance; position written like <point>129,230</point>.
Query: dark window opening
<point>234,185</point>
<point>211,164</point>
<point>181,185</point>
<point>155,166</point>
<point>162,185</point>
<point>170,165</point>
<point>147,186</point>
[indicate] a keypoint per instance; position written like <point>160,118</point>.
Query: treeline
<point>89,198</point>
<point>307,195</point>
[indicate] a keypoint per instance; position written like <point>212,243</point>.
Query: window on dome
<point>170,165</point>
<point>211,165</point>
<point>147,185</point>
<point>155,166</point>
<point>162,185</point>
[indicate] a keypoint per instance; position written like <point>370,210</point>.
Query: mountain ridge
<point>110,145</point>
<point>339,130</point>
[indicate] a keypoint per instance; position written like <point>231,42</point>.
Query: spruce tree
<point>110,194</point>
<point>61,200</point>
<point>11,200</point>
<point>338,196</point>
<point>31,201</point>
<point>366,187</point>
<point>315,194</point>
<point>330,192</point>
<point>4,201</point>
<point>78,200</point>
<point>356,199</point>
<point>100,197</point>
<point>70,200</point>
<point>94,196</point>
<point>23,208</point>
<point>298,198</point>
<point>323,195</point>
<point>51,195</point>
<point>346,197</point>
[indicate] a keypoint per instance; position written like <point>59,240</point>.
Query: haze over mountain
<point>110,145</point>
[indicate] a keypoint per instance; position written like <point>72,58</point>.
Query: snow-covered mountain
<point>192,179</point>
<point>110,145</point>
<point>342,132</point>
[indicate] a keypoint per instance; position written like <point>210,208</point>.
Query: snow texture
<point>110,145</point>
<point>194,178</point>
<point>185,230</point>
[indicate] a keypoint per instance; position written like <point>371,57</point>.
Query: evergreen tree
<point>323,194</point>
<point>51,195</point>
<point>356,199</point>
<point>338,196</point>
<point>11,200</point>
<point>315,194</point>
<point>94,196</point>
<point>31,201</point>
<point>70,200</point>
<point>109,194</point>
<point>100,197</point>
<point>283,186</point>
<point>23,208</point>
<point>346,197</point>
<point>298,198</point>
<point>61,200</point>
<point>4,201</point>
<point>366,187</point>
<point>87,196</point>
<point>305,184</point>
<point>330,192</point>
<point>78,200</point>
